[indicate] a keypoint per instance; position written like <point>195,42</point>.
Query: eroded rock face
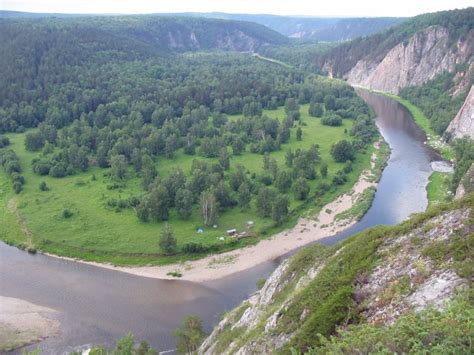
<point>427,54</point>
<point>405,279</point>
<point>463,124</point>
<point>467,183</point>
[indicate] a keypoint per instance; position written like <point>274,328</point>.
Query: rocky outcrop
<point>467,183</point>
<point>425,55</point>
<point>414,269</point>
<point>463,124</point>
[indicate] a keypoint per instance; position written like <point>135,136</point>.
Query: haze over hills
<point>327,29</point>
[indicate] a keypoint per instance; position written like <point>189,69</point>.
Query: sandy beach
<point>306,230</point>
<point>23,323</point>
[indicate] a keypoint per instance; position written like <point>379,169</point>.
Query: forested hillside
<point>199,140</point>
<point>305,28</point>
<point>340,60</point>
<point>320,29</point>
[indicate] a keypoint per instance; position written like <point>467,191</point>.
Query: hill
<point>319,29</point>
<point>428,60</point>
<point>398,289</point>
<point>305,28</point>
<point>408,54</point>
<point>156,32</point>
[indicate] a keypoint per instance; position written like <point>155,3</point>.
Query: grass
<point>328,299</point>
<point>97,233</point>
<point>438,188</point>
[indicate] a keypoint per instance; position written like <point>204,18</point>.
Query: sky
<point>346,8</point>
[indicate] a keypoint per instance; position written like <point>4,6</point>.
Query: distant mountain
<point>328,29</point>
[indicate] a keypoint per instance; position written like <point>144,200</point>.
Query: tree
<point>330,102</point>
<point>301,188</point>
<point>245,196</point>
<point>280,208</point>
<point>118,165</point>
<point>190,335</point>
<point>148,171</point>
<point>159,203</point>
<point>136,159</point>
<point>171,145</point>
<point>289,156</point>
<point>43,186</point>
<point>184,203</point>
<point>299,133</point>
<point>283,181</point>
<point>209,207</point>
<point>224,158</point>
<point>324,169</point>
<point>221,192</point>
<point>291,105</point>
<point>264,201</point>
<point>343,151</point>
<point>315,109</point>
<point>17,186</point>
<point>238,177</point>
<point>238,146</point>
<point>167,241</point>
<point>142,210</point>
<point>34,141</point>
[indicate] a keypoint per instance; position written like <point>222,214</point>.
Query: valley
<point>157,171</point>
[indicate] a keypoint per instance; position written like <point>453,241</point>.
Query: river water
<point>96,306</point>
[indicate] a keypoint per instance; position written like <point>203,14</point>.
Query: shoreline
<point>23,323</point>
<point>306,230</point>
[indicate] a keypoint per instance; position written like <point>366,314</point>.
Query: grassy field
<point>438,187</point>
<point>96,232</point>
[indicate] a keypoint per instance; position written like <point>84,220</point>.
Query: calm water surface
<point>96,306</point>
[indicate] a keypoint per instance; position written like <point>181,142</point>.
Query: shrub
<point>43,186</point>
<point>332,120</point>
<point>67,213</point>
<point>194,248</point>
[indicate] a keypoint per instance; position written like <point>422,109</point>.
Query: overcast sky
<point>279,7</point>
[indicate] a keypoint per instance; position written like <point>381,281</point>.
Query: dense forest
<point>439,99</point>
<point>314,29</point>
<point>161,130</point>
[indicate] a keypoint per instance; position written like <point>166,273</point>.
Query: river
<point>96,305</point>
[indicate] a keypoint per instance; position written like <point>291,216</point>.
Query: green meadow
<point>95,232</point>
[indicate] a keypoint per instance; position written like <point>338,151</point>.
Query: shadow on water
<point>97,305</point>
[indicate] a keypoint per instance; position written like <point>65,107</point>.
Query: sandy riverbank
<point>23,323</point>
<point>305,231</point>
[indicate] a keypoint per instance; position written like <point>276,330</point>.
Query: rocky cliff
<point>369,284</point>
<point>425,55</point>
<point>463,124</point>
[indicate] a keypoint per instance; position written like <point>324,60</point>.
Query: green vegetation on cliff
<point>367,288</point>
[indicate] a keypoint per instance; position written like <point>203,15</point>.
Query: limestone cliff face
<point>463,124</point>
<point>425,55</point>
<point>402,278</point>
<point>467,183</point>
